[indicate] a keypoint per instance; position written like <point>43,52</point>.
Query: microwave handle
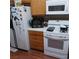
<point>57,38</point>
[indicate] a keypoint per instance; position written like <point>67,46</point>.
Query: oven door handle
<point>57,38</point>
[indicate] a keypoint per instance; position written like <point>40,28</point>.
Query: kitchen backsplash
<point>52,17</point>
<point>56,17</point>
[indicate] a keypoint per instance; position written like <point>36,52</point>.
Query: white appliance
<point>56,39</point>
<point>21,16</point>
<point>12,40</point>
<point>57,7</point>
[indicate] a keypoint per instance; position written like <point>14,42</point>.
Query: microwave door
<point>56,8</point>
<point>60,7</point>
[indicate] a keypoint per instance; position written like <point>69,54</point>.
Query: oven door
<point>60,7</point>
<point>56,45</point>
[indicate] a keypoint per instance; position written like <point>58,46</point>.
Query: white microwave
<point>57,7</point>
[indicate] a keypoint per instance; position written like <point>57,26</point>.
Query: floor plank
<point>29,55</point>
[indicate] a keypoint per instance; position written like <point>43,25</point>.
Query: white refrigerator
<point>20,17</point>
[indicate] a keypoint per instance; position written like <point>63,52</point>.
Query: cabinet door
<point>38,7</point>
<point>12,2</point>
<point>26,1</point>
<point>36,40</point>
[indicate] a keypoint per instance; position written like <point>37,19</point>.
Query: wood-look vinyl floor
<point>29,55</point>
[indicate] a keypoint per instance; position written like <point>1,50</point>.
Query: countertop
<point>37,29</point>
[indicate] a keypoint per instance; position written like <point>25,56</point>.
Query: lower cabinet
<point>36,40</point>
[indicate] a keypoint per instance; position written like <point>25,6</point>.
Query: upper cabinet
<point>38,7</point>
<point>26,1</point>
<point>12,2</point>
<point>23,2</point>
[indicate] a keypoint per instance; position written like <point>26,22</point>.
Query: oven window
<point>58,44</point>
<point>56,8</point>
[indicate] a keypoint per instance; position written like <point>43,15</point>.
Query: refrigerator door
<point>21,27</point>
<point>12,41</point>
<point>24,39</point>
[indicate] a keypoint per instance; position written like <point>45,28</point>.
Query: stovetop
<point>55,32</point>
<point>57,28</point>
<point>51,29</point>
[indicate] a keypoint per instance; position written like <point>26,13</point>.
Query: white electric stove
<point>56,38</point>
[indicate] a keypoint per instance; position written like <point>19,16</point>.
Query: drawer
<point>36,38</point>
<point>36,42</point>
<point>32,37</point>
<point>37,45</point>
<point>36,33</point>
